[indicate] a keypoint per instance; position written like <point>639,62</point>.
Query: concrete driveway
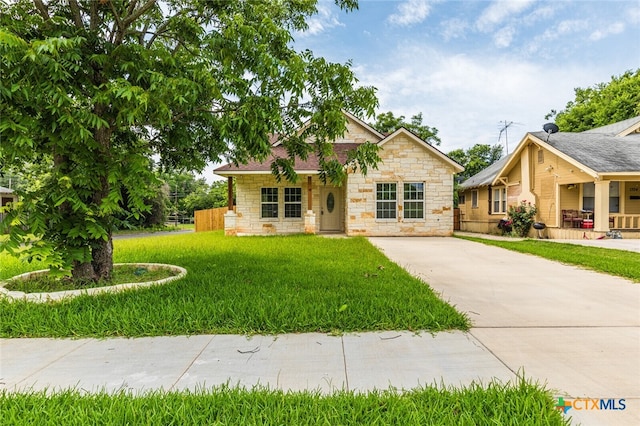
<point>575,330</point>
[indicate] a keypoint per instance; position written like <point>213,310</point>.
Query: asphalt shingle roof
<point>310,164</point>
<point>486,176</point>
<point>600,152</point>
<point>615,128</point>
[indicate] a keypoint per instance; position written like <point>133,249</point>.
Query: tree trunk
<point>83,272</point>
<point>102,262</point>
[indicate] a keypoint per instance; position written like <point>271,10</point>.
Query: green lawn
<point>242,285</point>
<point>621,263</point>
<point>494,404</point>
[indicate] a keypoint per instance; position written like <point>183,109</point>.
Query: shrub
<point>522,217</point>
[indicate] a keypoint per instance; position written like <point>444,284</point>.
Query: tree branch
<point>132,17</point>
<point>42,9</point>
<point>75,11</point>
<point>117,23</point>
<point>94,15</point>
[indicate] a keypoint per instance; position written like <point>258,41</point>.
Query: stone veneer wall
<point>248,219</point>
<point>403,161</point>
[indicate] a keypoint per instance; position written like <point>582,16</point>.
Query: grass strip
<point>621,263</point>
<point>495,404</point>
<point>242,285</point>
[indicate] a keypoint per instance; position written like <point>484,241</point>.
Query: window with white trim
<point>413,206</point>
<point>386,200</point>
<point>268,203</point>
<point>293,202</point>
<point>499,200</point>
<point>474,199</point>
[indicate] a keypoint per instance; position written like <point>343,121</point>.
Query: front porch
<point>582,233</point>
<point>595,208</point>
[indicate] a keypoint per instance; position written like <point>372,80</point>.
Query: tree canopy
<point>90,90</point>
<point>476,158</point>
<point>602,104</point>
<point>388,123</point>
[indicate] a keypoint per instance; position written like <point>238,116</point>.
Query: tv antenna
<point>504,126</point>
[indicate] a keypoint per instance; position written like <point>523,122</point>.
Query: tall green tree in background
<point>602,104</point>
<point>388,123</point>
<point>91,89</point>
<point>475,159</point>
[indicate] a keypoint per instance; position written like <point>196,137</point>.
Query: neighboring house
<point>583,184</point>
<point>6,196</point>
<point>411,192</point>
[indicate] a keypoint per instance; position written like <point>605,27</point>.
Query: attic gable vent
<point>540,156</point>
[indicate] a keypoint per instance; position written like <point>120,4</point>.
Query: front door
<point>330,209</point>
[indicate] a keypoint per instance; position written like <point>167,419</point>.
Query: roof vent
<point>550,128</point>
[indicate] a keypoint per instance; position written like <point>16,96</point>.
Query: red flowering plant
<point>522,217</point>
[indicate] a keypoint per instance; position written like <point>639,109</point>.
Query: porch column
<point>601,206</point>
<point>230,216</point>
<point>230,193</point>
<point>309,216</point>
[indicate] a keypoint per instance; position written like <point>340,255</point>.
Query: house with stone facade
<point>583,184</point>
<point>410,193</point>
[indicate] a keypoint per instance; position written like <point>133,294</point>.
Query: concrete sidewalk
<point>355,362</point>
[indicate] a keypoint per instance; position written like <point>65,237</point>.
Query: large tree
<point>475,159</point>
<point>91,89</point>
<point>602,104</point>
<point>388,123</point>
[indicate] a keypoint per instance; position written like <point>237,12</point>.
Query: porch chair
<point>567,218</point>
<point>576,218</point>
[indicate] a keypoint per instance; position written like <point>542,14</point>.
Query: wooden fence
<point>210,220</point>
<point>456,219</point>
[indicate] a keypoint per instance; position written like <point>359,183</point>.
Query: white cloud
<point>453,28</point>
<point>325,19</point>
<point>500,11</point>
<point>615,28</point>
<point>562,29</point>
<point>540,14</point>
<point>503,37</point>
<point>466,97</point>
<point>633,15</point>
<point>411,12</point>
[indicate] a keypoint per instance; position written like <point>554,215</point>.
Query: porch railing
<point>625,221</point>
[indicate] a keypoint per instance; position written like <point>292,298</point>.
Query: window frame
<point>501,200</point>
<point>386,201</point>
<point>474,198</point>
<point>414,201</point>
<point>271,202</point>
<point>292,203</point>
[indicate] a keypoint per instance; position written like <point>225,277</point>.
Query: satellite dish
<point>550,128</point>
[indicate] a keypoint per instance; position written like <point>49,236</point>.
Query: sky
<point>473,68</point>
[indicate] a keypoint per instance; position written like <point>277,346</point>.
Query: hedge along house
<point>583,184</point>
<point>410,193</point>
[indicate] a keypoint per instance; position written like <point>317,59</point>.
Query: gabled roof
<point>486,176</point>
<point>611,149</point>
<point>427,146</point>
<point>604,154</point>
<point>311,165</point>
<point>4,190</point>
